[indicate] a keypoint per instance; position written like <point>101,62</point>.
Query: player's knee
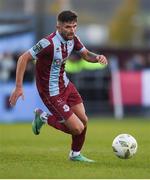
<point>85,120</point>
<point>78,130</point>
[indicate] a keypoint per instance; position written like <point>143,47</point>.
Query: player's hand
<point>16,93</point>
<point>102,59</point>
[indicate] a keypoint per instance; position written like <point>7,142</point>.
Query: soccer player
<point>56,91</point>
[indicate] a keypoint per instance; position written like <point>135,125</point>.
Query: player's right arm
<point>21,67</point>
<point>42,48</point>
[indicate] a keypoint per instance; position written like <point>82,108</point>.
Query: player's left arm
<point>92,57</point>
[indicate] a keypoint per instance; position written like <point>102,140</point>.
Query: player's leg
<point>75,102</point>
<point>78,140</point>
<point>42,117</point>
<point>69,123</point>
<point>71,126</point>
<point>62,117</point>
<point>74,124</point>
<point>79,110</point>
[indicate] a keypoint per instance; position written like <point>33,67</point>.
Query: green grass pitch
<point>24,155</point>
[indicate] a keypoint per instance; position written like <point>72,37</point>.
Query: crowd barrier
<point>23,111</point>
<point>135,88</point>
<point>135,91</point>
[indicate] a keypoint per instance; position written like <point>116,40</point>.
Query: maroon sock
<point>54,122</point>
<point>78,140</point>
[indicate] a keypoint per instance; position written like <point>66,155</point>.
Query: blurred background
<point>119,29</point>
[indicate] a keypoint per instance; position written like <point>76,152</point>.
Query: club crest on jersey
<point>57,62</point>
<point>66,108</point>
<point>69,43</point>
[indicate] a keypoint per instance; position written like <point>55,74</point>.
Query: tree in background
<point>122,27</point>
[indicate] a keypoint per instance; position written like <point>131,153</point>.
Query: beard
<point>67,36</point>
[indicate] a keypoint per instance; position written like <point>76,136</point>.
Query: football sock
<point>74,153</point>
<point>54,122</point>
<point>44,117</point>
<point>78,141</point>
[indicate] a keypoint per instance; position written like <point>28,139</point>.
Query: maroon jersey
<point>51,54</point>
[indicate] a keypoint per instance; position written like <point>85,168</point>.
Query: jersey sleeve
<point>40,48</point>
<point>78,45</point>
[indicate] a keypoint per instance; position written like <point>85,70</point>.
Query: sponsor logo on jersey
<point>57,62</point>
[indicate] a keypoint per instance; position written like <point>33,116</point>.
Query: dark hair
<point>67,16</point>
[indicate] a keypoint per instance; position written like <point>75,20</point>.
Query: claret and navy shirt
<point>51,54</point>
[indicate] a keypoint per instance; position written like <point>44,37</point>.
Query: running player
<point>56,91</point>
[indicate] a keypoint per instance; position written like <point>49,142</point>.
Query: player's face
<point>67,30</point>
